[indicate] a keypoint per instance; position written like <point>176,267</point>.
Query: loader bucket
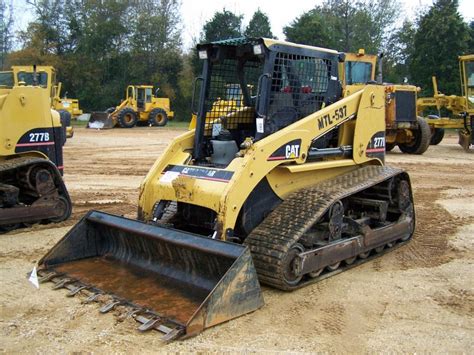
<point>176,282</point>
<point>100,120</point>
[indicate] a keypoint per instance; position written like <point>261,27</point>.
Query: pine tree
<point>259,26</point>
<point>6,24</point>
<point>223,25</point>
<point>442,35</point>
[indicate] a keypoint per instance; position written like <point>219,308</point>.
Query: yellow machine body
<point>31,158</point>
<point>283,185</point>
<point>404,128</point>
<point>227,197</point>
<point>46,79</point>
<point>140,106</point>
<point>24,101</point>
<point>461,107</point>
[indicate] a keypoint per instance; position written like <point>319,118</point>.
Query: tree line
<point>101,46</point>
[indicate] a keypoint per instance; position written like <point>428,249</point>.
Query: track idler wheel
<point>333,267</point>
<point>315,274</point>
<point>291,274</point>
<point>63,210</point>
<point>350,261</point>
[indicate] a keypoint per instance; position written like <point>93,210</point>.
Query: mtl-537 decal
<point>337,115</point>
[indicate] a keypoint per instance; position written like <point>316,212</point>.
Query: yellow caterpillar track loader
<point>461,107</point>
<point>44,76</point>
<point>404,128</point>
<point>139,106</point>
<point>31,158</point>
<point>286,188</point>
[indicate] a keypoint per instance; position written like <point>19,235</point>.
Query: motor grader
<point>461,107</point>
<point>31,158</point>
<point>139,106</point>
<point>44,76</point>
<point>404,127</point>
<point>286,188</point>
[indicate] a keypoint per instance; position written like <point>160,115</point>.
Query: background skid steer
<point>294,177</point>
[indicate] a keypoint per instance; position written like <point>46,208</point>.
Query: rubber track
<point>285,225</point>
<point>19,162</point>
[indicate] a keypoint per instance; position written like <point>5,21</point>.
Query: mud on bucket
<point>176,282</point>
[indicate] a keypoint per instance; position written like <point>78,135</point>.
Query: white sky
<point>281,12</point>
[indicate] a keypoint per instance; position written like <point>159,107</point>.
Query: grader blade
<point>173,281</point>
<point>100,120</point>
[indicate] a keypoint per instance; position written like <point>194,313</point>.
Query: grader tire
<point>421,140</point>
<point>437,137</point>
<point>389,146</point>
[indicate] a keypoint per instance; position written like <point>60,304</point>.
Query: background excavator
<point>286,187</point>
<point>31,157</point>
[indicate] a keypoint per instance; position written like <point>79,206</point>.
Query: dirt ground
<point>419,298</point>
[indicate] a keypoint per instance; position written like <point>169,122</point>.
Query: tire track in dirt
<point>434,226</point>
<point>459,301</point>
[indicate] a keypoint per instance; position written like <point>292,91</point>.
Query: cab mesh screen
<point>299,87</point>
<point>225,105</point>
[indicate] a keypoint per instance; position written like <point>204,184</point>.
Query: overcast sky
<point>281,12</point>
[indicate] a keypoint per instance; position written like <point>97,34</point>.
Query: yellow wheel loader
<point>45,76</point>
<point>31,158</point>
<point>404,127</point>
<point>461,107</point>
<point>139,106</point>
<point>286,188</point>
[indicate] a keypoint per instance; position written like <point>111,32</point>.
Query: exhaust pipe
<point>379,69</point>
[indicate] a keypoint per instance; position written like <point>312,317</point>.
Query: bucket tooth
<point>62,283</point>
<point>132,313</point>
<point>91,298</point>
<point>76,290</point>
<point>173,334</point>
<point>186,281</point>
<point>109,306</point>
<point>48,276</point>
<point>150,324</point>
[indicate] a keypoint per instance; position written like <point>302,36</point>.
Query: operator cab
<point>34,79</point>
<point>291,81</point>
<point>6,80</point>
<point>469,79</point>
<point>144,96</point>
